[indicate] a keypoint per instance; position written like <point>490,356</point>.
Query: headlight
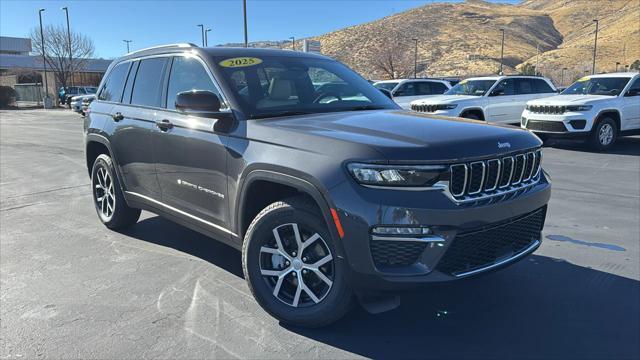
<point>579,107</point>
<point>446,106</point>
<point>396,175</point>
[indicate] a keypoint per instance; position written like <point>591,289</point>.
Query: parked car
<point>404,91</point>
<point>598,108</point>
<point>65,94</point>
<point>325,200</point>
<point>78,101</point>
<point>496,99</point>
<point>85,104</point>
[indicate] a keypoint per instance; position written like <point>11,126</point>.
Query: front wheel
<point>604,134</point>
<point>290,263</point>
<point>109,201</point>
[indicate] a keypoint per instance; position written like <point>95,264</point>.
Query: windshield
<point>272,86</point>
<point>597,86</point>
<point>386,85</point>
<point>471,87</point>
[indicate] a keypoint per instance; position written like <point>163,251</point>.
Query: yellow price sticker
<point>583,79</point>
<point>463,82</point>
<point>240,62</point>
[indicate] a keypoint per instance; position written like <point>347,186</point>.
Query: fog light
<point>392,230</point>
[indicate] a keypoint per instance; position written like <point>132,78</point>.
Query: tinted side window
<point>112,89</point>
<point>438,88</point>
<point>542,86</point>
<point>525,86</point>
<point>148,84</point>
<point>188,74</point>
<point>407,89</point>
<point>505,87</point>
<point>634,89</point>
<point>423,88</point>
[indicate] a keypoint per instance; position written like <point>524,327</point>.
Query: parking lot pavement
<point>70,288</point>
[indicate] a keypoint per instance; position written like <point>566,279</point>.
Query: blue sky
<point>150,23</point>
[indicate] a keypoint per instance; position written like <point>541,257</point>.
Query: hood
<point>570,100</point>
<point>395,134</point>
<point>446,99</point>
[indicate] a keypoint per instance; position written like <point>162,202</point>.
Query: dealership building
<point>23,70</point>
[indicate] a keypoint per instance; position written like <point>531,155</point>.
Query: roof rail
<point>178,45</point>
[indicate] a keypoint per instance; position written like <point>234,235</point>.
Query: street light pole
<point>293,43</point>
<point>66,11</point>
<point>44,60</point>
<point>595,47</point>
<point>206,37</point>
<point>537,58</point>
<point>202,30</point>
<point>502,51</point>
<point>244,12</point>
<point>562,77</point>
<point>127,41</point>
<point>415,60</point>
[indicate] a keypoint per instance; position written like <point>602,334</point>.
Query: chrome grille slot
<point>493,177</point>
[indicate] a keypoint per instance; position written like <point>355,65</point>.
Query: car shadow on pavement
<point>538,308</point>
<point>624,146</point>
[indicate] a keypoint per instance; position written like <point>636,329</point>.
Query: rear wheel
<point>290,263</point>
<point>604,134</point>
<point>109,201</point>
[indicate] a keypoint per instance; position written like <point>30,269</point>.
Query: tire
<point>264,270</point>
<point>112,210</point>
<point>604,134</point>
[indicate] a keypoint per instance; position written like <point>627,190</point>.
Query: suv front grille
<point>424,108</point>
<point>482,248</point>
<point>547,109</point>
<point>478,179</point>
<point>396,253</point>
<point>552,126</point>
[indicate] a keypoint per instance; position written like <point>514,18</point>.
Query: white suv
<point>404,91</point>
<point>498,99</point>
<point>599,108</point>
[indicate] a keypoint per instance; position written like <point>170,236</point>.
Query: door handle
<point>117,116</point>
<point>164,125</point>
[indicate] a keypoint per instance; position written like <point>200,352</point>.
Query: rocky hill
<point>462,39</point>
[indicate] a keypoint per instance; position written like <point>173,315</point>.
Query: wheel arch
<point>247,207</point>
<point>96,144</point>
<point>474,110</point>
<point>613,113</point>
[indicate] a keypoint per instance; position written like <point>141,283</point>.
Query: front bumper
<point>569,124</point>
<point>451,222</point>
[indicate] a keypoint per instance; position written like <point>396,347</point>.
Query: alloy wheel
<point>104,194</point>
<point>297,265</point>
<point>605,135</point>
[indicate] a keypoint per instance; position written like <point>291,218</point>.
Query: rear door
<point>133,122</point>
<point>190,154</point>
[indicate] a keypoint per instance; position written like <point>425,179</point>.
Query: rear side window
<point>525,86</point>
<point>112,89</point>
<point>188,74</point>
<point>542,86</point>
<point>438,88</point>
<point>148,83</point>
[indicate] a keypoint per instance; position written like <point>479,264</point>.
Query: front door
<point>502,103</point>
<point>190,154</point>
<point>630,109</point>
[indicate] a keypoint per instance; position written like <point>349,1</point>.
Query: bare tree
<point>393,60</point>
<point>56,45</point>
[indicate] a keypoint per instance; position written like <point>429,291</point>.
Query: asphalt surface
<point>70,288</point>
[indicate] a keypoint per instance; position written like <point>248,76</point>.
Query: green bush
<point>7,96</point>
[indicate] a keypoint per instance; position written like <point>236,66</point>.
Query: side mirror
<point>633,92</point>
<point>386,93</point>
<point>198,102</point>
<point>497,92</point>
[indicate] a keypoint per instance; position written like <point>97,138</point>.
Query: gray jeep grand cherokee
<point>329,189</point>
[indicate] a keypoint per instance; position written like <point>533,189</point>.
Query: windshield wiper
<point>281,113</point>
<point>365,107</point>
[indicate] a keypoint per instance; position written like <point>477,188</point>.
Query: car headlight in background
<point>579,107</point>
<point>397,175</point>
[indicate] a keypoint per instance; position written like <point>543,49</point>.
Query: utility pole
<point>502,51</point>
<point>202,30</point>
<point>244,11</point>
<point>595,47</point>
<point>415,60</point>
<point>562,76</point>
<point>127,41</point>
<point>44,60</point>
<point>66,11</point>
<point>537,58</point>
<point>206,37</point>
<point>293,43</point>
